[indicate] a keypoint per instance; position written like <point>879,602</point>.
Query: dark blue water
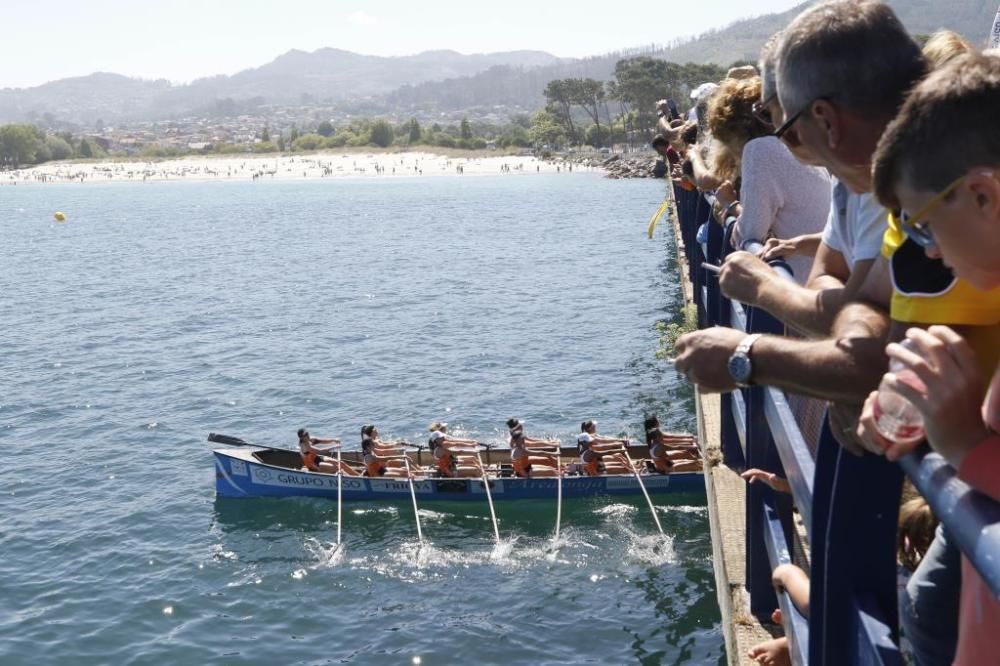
<point>161,312</point>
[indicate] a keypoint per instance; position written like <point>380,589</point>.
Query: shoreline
<point>311,166</point>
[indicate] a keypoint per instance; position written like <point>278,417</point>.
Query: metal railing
<point>849,504</point>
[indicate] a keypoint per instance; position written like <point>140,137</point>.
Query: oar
<point>555,537</point>
<point>642,485</point>
<point>413,496</point>
<point>236,441</point>
<point>489,497</point>
<point>340,515</point>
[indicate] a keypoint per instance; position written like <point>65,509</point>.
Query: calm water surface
<point>161,312</point>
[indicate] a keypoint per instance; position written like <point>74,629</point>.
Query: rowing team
<point>530,457</point>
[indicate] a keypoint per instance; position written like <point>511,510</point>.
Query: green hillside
<point>743,40</point>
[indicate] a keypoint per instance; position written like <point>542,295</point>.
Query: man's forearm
<point>843,369</point>
<point>811,311</point>
<point>840,370</point>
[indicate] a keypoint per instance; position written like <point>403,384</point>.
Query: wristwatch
<point>740,365</point>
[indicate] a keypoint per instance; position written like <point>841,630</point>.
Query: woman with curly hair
<point>778,195</point>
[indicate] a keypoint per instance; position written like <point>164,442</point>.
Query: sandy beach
<point>286,167</point>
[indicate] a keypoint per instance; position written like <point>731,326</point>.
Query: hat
<point>704,90</point>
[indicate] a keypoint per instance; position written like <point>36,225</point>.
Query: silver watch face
<point>740,368</point>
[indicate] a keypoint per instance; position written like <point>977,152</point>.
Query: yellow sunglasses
<point>915,227</point>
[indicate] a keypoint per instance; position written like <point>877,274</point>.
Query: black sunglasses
<point>787,125</point>
<point>761,112</point>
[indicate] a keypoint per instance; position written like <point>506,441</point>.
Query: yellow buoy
<point>60,216</point>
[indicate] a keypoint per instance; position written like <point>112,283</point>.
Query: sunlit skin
<point>966,226</point>
<point>838,139</point>
<point>966,229</point>
<point>800,151</point>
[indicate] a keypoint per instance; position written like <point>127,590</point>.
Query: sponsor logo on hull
<point>630,482</point>
<point>270,477</point>
<point>399,486</point>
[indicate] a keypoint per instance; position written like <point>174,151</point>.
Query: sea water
<point>160,312</point>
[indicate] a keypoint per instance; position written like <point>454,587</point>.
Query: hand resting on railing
<point>771,479</point>
<point>803,246</point>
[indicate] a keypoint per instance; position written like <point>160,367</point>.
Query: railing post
<point>713,307</point>
<point>762,454</point>
<point>855,511</point>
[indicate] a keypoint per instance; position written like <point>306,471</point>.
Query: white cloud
<point>362,19</point>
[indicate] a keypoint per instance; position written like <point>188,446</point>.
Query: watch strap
<point>747,342</point>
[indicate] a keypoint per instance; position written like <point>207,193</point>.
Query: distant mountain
<point>740,41</point>
<point>328,75</point>
<point>99,95</point>
<point>429,82</point>
<point>743,40</point>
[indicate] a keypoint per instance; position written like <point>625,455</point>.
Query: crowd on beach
<point>871,167</point>
<point>286,167</point>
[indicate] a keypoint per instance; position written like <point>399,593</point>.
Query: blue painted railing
<point>849,504</point>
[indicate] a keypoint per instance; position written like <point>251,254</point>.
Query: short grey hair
<point>768,66</point>
<point>854,51</point>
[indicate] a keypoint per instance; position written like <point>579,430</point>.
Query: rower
<point>600,455</point>
<point>447,449</point>
<point>313,458</point>
<point>527,465</point>
<point>382,458</point>
<point>671,452</point>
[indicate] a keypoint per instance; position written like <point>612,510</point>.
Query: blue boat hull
<point>237,474</point>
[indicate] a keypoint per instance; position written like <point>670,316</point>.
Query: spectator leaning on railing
<point>844,251</point>
<point>778,194</point>
<point>949,188</point>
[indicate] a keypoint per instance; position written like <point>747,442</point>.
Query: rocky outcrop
<point>617,166</point>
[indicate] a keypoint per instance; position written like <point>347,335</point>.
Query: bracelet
<point>730,208</point>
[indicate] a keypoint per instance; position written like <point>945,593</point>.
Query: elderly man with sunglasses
<point>843,252</point>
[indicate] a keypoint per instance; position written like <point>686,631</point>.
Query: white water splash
<point>651,549</point>
<point>616,510</point>
<point>502,551</point>
<point>329,555</point>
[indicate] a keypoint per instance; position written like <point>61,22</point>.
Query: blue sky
<point>184,39</point>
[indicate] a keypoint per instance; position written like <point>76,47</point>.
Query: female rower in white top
<point>600,455</point>
<point>453,457</point>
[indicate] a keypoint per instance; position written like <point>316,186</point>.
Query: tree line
<point>577,111</point>
<point>574,107</point>
<point>24,145</point>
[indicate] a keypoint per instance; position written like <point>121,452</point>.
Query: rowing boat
<point>266,472</point>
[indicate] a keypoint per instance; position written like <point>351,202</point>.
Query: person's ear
<point>826,116</point>
<point>986,189</point>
